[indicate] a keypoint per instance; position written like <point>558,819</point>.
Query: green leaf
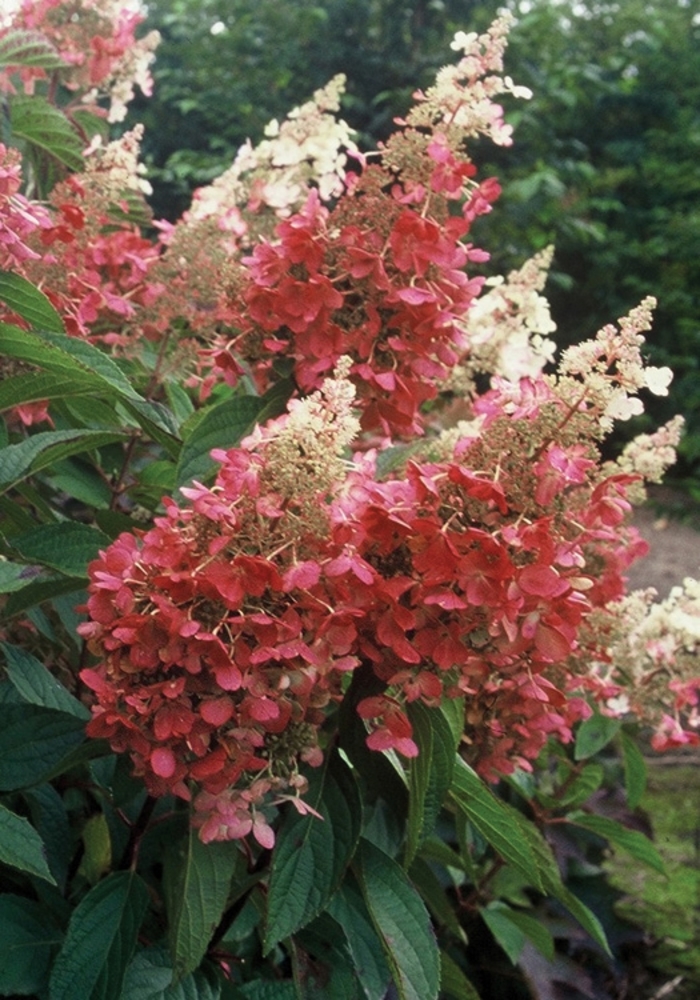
<point>429,774</point>
<point>20,47</point>
<point>220,426</point>
<point>348,908</point>
<point>635,769</point>
<point>312,854</point>
<point>550,880</point>
<point>27,300</point>
<point>197,879</point>
<point>67,546</point>
<point>27,937</point>
<point>491,818</point>
<point>512,927</point>
<point>402,923</point>
<point>433,895</point>
<point>100,940</point>
<point>21,846</point>
<point>97,854</point>
<point>594,734</point>
<point>321,965</point>
<point>284,990</point>
<point>39,385</point>
<point>453,982</point>
<point>507,934</point>
<point>150,977</point>
<point>42,125</point>
<point>587,782</point>
<point>41,589</point>
<point>14,576</point>
<point>47,447</point>
<point>37,685</point>
<point>50,819</point>
<point>632,841</point>
<point>33,743</point>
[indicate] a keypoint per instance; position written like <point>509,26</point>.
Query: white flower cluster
<point>117,164</point>
<point>462,97</point>
<point>310,146</point>
<point>650,455</point>
<point>612,367</point>
<point>507,325</point>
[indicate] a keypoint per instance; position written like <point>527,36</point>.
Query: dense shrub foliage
<point>314,611</point>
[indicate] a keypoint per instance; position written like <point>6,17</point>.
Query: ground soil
<point>670,523</point>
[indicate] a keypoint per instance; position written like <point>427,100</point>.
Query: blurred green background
<point>605,165</point>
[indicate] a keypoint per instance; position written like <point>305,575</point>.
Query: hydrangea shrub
<point>310,554</point>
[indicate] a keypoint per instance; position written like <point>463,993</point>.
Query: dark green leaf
<point>279,990</point>
<point>100,940</point>
<point>594,734</point>
<point>453,981</point>
<point>33,742</point>
<point>402,923</point>
<point>635,770</point>
<point>491,818</point>
<point>429,774</point>
<point>50,819</point>
<point>37,685</point>
<point>587,782</point>
<point>42,589</point>
<point>27,937</point>
<point>39,385</point>
<point>150,977</point>
<point>28,301</point>
<point>20,47</point>
<point>435,898</point>
<point>196,880</point>
<point>632,841</point>
<point>348,908</point>
<point>321,964</point>
<point>312,854</point>
<point>14,576</point>
<point>21,846</point>
<point>47,447</point>
<point>220,426</point>
<point>67,546</point>
<point>42,125</point>
<point>506,933</point>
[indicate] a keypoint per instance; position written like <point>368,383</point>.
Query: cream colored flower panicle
<point>461,98</point>
<point>612,369</point>
<point>309,146</point>
<point>507,326</point>
<point>117,164</point>
<point>650,455</point>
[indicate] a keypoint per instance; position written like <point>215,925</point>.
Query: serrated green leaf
<point>507,935</point>
<point>150,977</point>
<point>100,940</point>
<point>27,936</point>
<point>67,546</point>
<point>37,685</point>
<point>33,743</point>
<point>435,898</point>
<point>42,125</point>
<point>43,449</point>
<point>594,734</point>
<point>50,819</point>
<point>280,990</point>
<point>585,784</point>
<point>632,841</point>
<point>491,818</point>
<point>41,589</point>
<point>14,576</point>
<point>429,774</point>
<point>197,879</point>
<point>348,908</point>
<point>321,964</point>
<point>21,846</point>
<point>27,300</point>
<point>402,923</point>
<point>550,880</point>
<point>38,386</point>
<point>219,426</point>
<point>453,981</point>
<point>635,770</point>
<point>311,854</point>
<point>20,47</point>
